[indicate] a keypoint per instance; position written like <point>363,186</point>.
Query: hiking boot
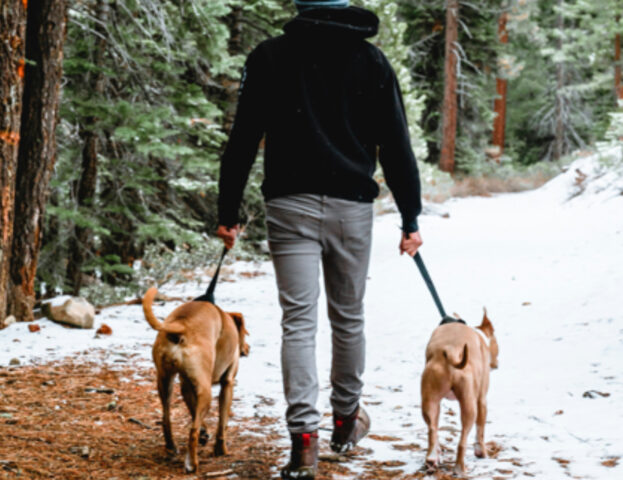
<point>304,457</point>
<point>347,431</point>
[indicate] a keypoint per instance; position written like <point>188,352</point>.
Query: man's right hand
<point>228,235</point>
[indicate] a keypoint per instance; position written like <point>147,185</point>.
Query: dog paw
<point>189,465</point>
<point>203,437</point>
<point>479,451</point>
<point>459,471</point>
<point>220,448</point>
<point>430,466</point>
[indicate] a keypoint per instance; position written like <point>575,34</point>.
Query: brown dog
<point>203,344</point>
<point>458,361</point>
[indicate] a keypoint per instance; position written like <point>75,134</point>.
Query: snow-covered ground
<point>547,264</point>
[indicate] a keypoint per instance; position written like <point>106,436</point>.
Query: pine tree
<point>12,26</point>
<point>499,122</point>
<point>446,161</point>
<point>45,35</point>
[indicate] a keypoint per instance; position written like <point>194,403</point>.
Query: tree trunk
<point>234,47</point>
<point>12,45</point>
<point>618,87</point>
<point>499,106</point>
<point>446,162</point>
<point>85,191</point>
<point>45,33</point>
<point>560,83</point>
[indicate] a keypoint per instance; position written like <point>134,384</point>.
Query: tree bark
<point>499,106</point>
<point>560,83</point>
<point>45,34</point>
<point>82,242</point>
<point>446,162</point>
<point>618,87</point>
<point>12,47</point>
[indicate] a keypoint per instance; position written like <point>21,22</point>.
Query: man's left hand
<point>410,242</point>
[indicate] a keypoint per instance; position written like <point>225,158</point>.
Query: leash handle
<point>209,295</point>
<point>429,283</point>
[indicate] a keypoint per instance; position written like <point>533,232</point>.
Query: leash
<point>431,288</point>
<point>209,295</point>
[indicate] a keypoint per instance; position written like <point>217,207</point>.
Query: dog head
<point>242,332</point>
<point>487,327</point>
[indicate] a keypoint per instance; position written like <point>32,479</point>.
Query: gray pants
<point>302,231</point>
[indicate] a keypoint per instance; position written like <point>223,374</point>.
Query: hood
<point>352,22</point>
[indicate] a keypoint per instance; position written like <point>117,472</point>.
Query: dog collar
<point>484,336</point>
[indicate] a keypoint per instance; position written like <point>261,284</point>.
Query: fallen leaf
<point>611,462</point>
<point>33,327</point>
<point>401,447</point>
<point>594,393</point>
<point>384,438</point>
<point>104,330</point>
<point>562,461</point>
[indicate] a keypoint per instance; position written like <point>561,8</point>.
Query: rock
<point>104,330</point>
<point>33,327</point>
<point>76,312</point>
<point>14,361</point>
<point>9,320</point>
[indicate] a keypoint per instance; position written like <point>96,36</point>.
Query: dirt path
<point>78,420</point>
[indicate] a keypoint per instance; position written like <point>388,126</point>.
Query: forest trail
<point>546,264</point>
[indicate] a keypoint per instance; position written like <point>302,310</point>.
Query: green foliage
<point>477,51</point>
<point>169,75</point>
<point>391,39</point>
<point>529,61</point>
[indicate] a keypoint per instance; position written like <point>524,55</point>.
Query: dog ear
<point>486,324</point>
<point>239,321</point>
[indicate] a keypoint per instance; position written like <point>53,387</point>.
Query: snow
<point>547,264</point>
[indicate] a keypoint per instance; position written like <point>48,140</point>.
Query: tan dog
<point>458,361</point>
<point>203,344</point>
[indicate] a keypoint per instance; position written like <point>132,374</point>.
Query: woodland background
<point>115,113</point>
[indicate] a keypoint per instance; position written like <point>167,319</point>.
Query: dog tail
<point>156,324</point>
<point>457,363</point>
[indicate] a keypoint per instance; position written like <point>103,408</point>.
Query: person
<point>327,102</point>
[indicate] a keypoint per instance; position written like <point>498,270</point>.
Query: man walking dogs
<point>327,102</point>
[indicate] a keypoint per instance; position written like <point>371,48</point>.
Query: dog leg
<point>190,399</point>
<point>204,397</point>
<point>430,412</point>
<point>467,400</point>
<point>224,404</point>
<point>480,449</point>
<point>165,389</point>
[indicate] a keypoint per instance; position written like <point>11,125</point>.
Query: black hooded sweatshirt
<point>327,101</point>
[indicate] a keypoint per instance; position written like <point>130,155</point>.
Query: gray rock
<point>76,312</point>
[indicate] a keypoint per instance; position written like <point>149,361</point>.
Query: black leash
<point>431,288</point>
<point>209,295</point>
